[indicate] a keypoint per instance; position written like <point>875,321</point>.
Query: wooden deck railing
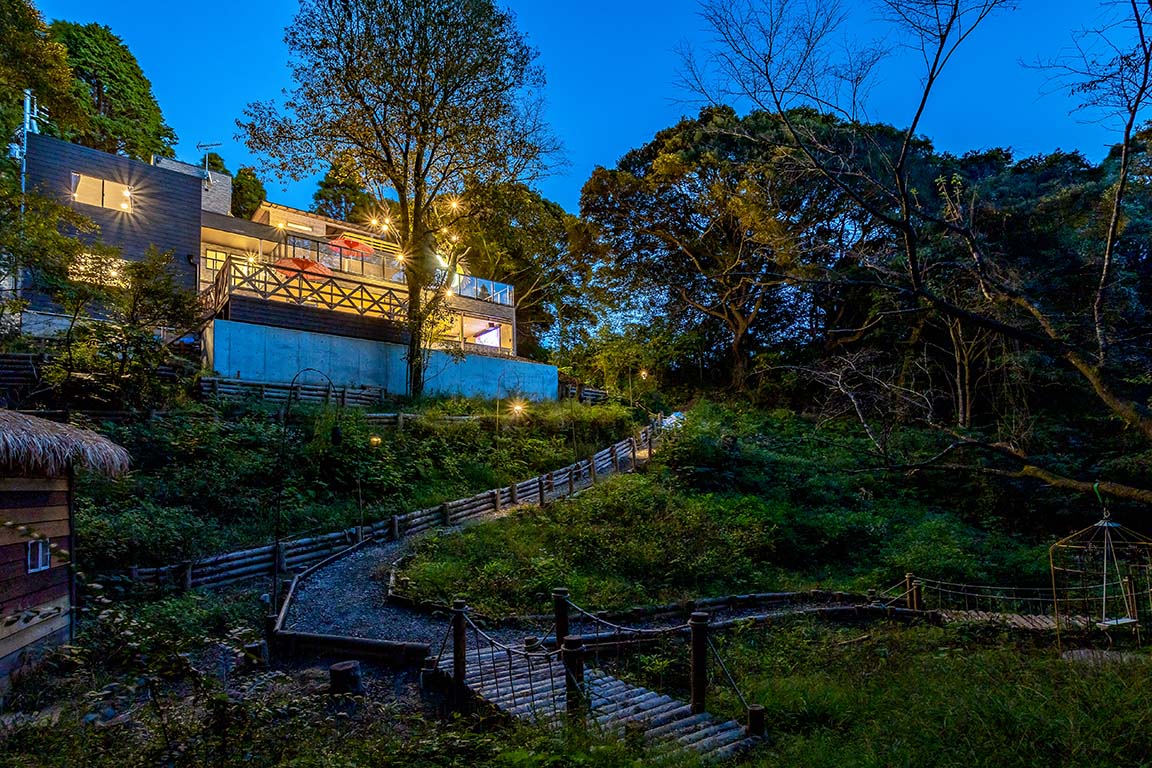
<point>301,287</point>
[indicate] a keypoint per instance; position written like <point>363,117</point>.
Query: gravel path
<point>344,598</point>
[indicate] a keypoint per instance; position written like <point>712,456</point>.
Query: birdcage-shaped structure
<point>1102,580</point>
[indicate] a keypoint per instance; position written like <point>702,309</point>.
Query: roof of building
<point>362,228</point>
<point>238,226</point>
<point>31,445</point>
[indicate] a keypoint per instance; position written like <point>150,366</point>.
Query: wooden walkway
<point>535,692</point>
<point>1036,622</point>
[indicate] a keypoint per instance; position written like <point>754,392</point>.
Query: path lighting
<point>644,375</point>
<point>517,408</point>
<point>375,441</point>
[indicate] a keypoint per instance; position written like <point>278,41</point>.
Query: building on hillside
<point>37,458</point>
<point>288,289</point>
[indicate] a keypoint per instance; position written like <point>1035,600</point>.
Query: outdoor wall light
<point>375,441</point>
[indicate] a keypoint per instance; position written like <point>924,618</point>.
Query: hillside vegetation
<point>206,478</point>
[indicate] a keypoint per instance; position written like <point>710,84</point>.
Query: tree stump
<point>256,655</point>
<point>344,677</point>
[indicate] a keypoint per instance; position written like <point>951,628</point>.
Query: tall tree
<point>29,59</point>
<point>122,115</point>
<point>782,54</point>
<point>516,236</point>
<point>700,221</point>
<point>425,97</point>
<point>247,192</point>
<point>341,195</point>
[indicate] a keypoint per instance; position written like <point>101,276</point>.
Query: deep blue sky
<point>612,75</point>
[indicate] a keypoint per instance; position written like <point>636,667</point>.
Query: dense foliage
<point>740,501</point>
<point>121,114</point>
<point>206,478</point>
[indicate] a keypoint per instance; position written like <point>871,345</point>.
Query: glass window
<point>92,190</point>
<point>39,556</point>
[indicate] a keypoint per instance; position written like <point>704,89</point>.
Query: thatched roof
<point>32,445</point>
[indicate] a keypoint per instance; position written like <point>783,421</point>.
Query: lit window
<point>92,190</point>
<point>39,555</point>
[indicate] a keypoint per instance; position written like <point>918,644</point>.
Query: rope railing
<point>545,679</point>
<point>1011,604</point>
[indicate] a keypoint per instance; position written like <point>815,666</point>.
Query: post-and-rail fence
<point>301,553</point>
<point>558,679</point>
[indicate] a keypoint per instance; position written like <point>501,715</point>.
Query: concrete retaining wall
<point>264,353</point>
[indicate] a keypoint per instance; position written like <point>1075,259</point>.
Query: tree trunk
<point>739,364</point>
<point>415,338</point>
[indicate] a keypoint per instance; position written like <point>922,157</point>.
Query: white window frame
<point>39,555</point>
<point>120,202</point>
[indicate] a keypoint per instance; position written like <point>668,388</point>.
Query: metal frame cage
<point>1102,579</point>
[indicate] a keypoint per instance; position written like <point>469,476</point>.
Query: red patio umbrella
<point>292,267</point>
<point>358,249</point>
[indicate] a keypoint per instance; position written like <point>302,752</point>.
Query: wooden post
<point>573,656</point>
<point>496,500</point>
<point>918,594</point>
<point>560,612</point>
<point>909,596</point>
<point>344,677</point>
<point>540,488</point>
<point>571,479</point>
<point>633,445</point>
<point>871,595</point>
<point>592,469</point>
<point>394,527</point>
<point>188,575</point>
<point>615,459</point>
<point>400,421</point>
<point>459,650</point>
<point>428,673</point>
<point>755,720</point>
<point>512,493</point>
<point>445,514</point>
<point>698,624</point>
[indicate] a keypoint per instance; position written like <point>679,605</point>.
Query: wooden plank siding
<point>35,608</point>
<point>279,314</point>
<point>165,203</point>
<point>29,645</point>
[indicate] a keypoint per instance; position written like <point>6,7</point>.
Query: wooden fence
<point>224,388</point>
<point>299,554</point>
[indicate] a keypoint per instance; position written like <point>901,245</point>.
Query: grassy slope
<point>206,479</point>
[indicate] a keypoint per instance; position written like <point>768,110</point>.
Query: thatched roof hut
<point>33,446</point>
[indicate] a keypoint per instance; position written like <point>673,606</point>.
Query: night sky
<point>612,76</point>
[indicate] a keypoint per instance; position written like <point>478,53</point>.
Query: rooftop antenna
<point>204,147</point>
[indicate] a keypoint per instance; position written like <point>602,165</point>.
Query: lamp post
<point>337,439</point>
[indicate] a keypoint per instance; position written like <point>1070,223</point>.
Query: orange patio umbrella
<point>309,268</point>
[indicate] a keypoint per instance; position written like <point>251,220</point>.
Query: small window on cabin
<point>39,555</point>
<point>92,190</point>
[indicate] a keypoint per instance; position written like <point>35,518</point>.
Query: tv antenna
<point>204,147</point>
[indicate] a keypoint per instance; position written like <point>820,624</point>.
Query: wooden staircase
<point>19,375</point>
<point>534,691</point>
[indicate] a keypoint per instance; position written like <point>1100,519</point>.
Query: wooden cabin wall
<point>40,602</point>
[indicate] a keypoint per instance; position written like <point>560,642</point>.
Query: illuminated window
<point>92,190</point>
<point>39,555</point>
